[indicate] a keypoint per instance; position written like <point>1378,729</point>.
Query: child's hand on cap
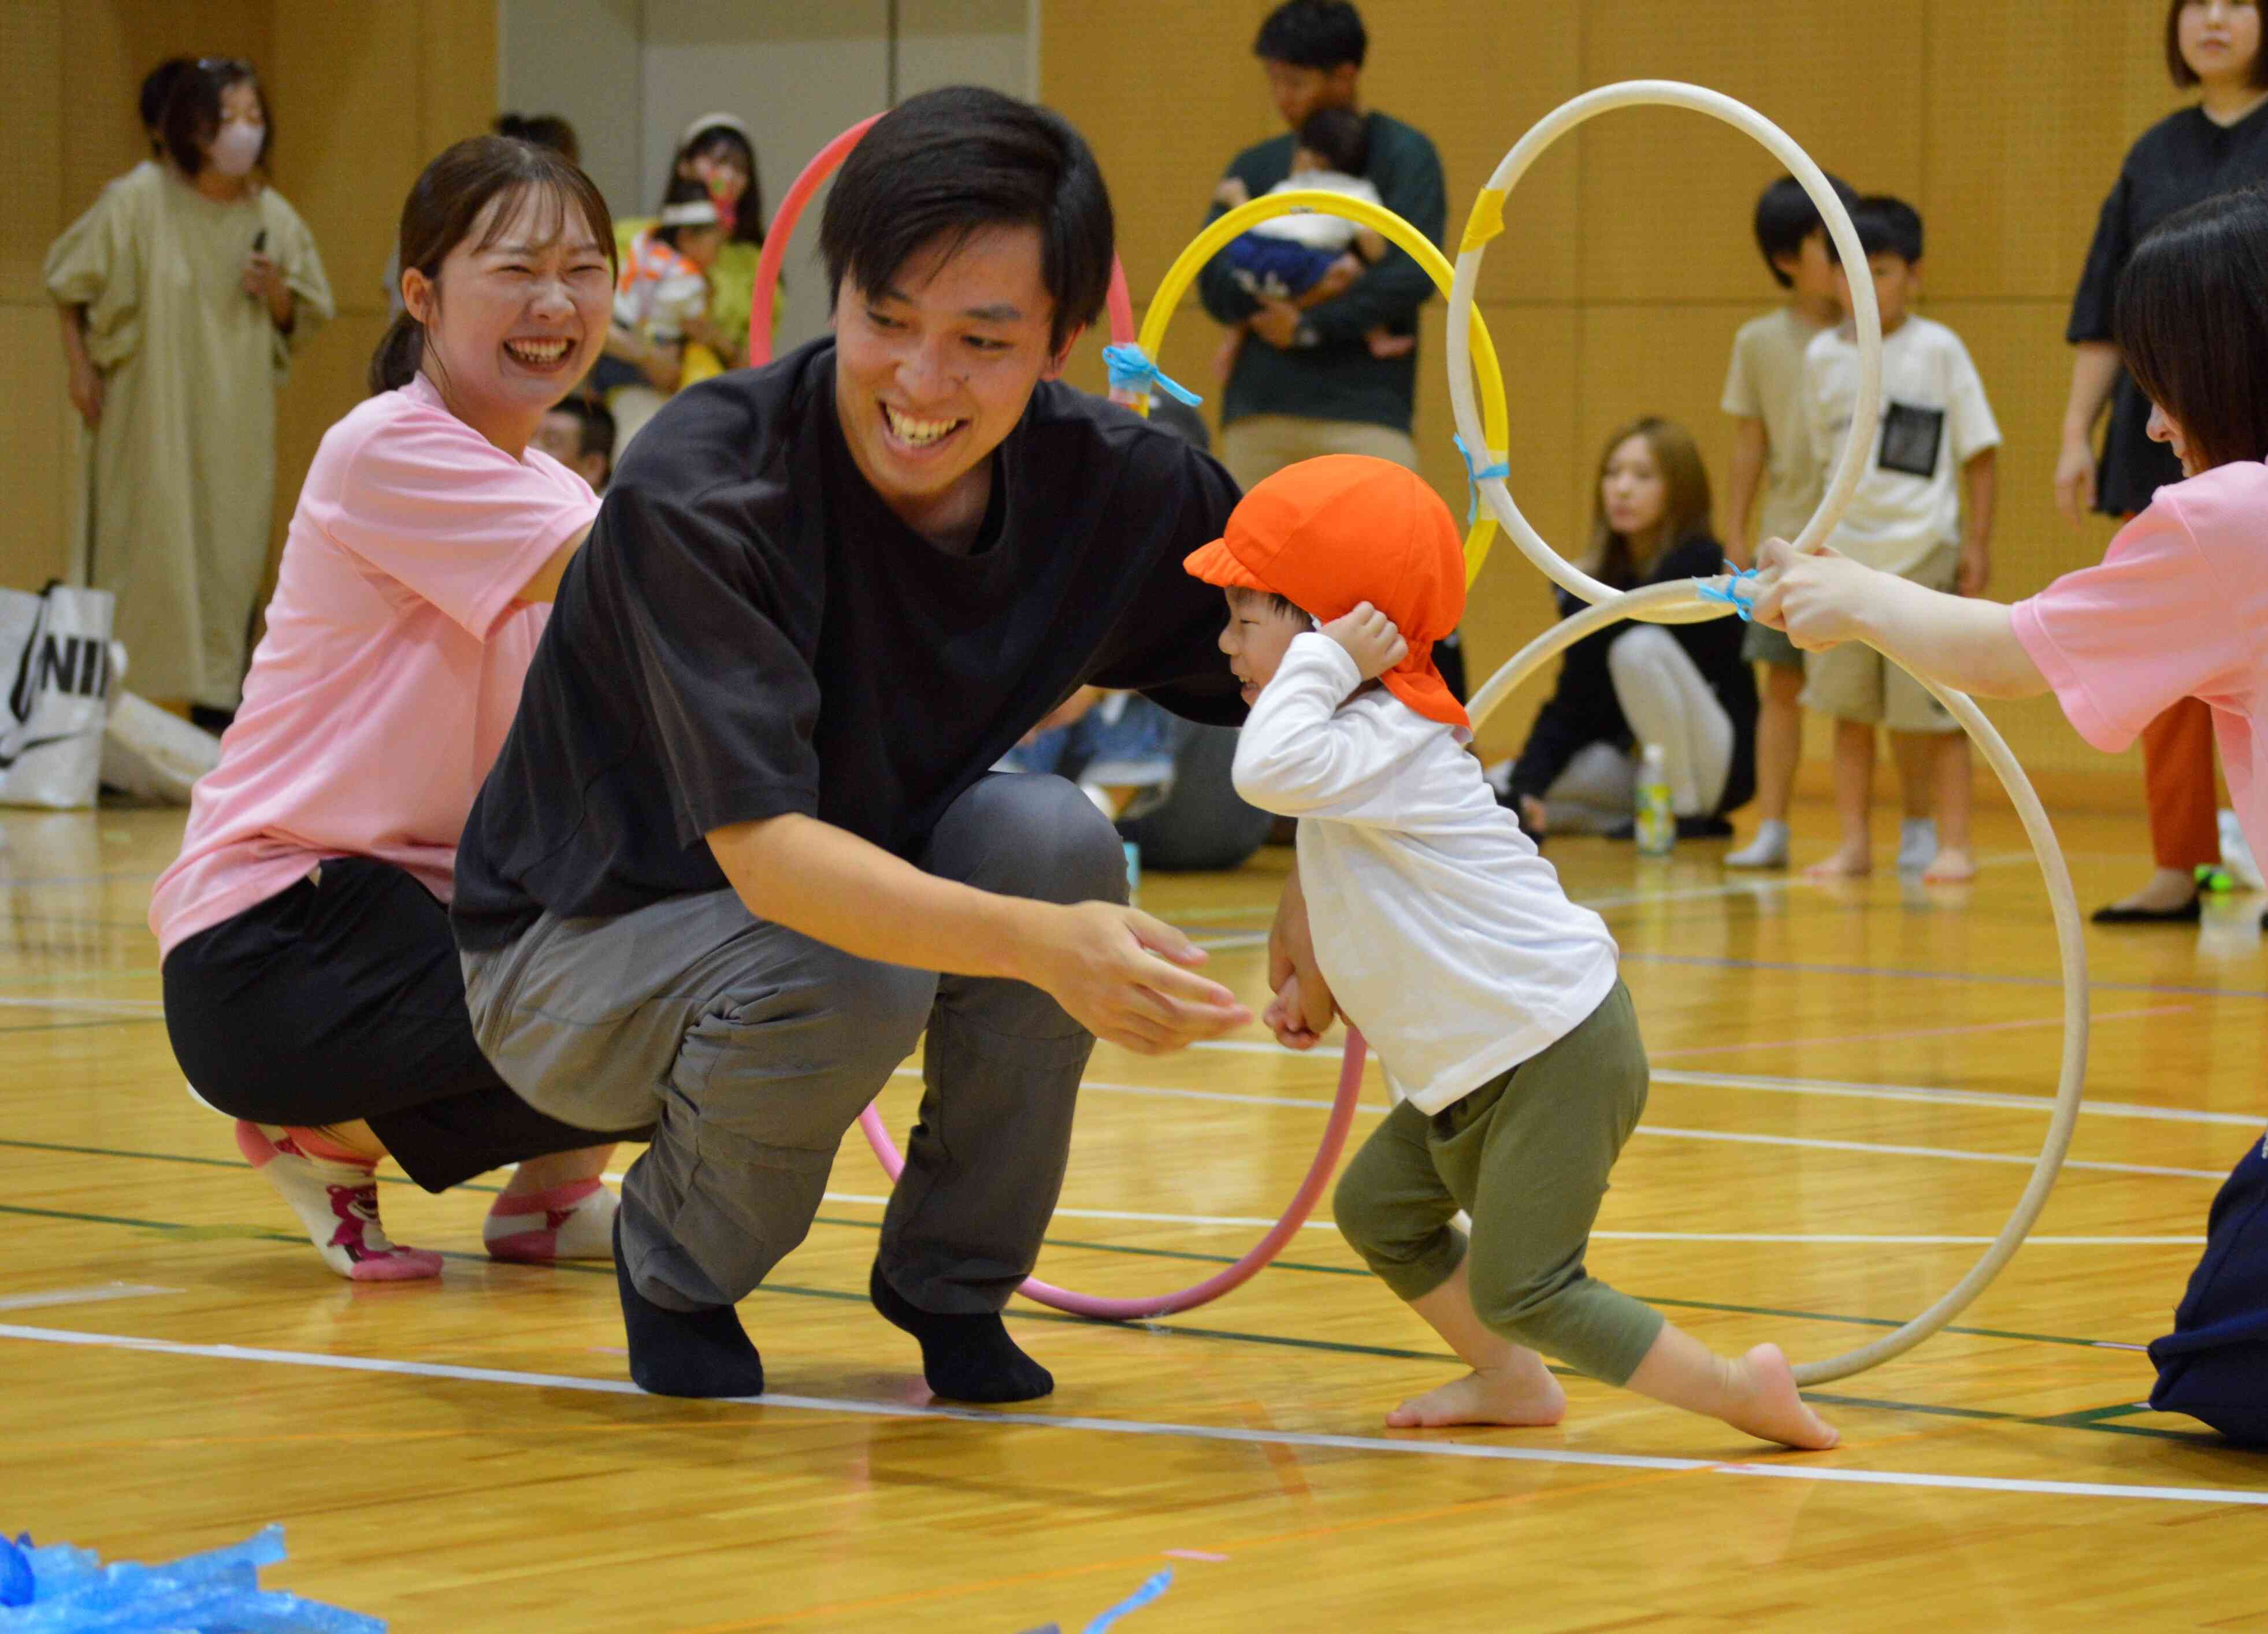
<point>1370,640</point>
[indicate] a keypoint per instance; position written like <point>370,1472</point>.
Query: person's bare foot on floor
<point>1524,1394</point>
<point>1766,1403</point>
<point>1949,866</point>
<point>1846,864</point>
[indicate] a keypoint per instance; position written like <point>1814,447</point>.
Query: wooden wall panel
<point>1668,195</point>
<point>31,158</point>
<point>2014,181</point>
<point>39,433</point>
<point>1474,78</point>
<point>456,62</point>
<point>1168,93</point>
<point>351,156</point>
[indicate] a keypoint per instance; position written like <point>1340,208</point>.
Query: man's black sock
<point>965,1358</point>
<point>684,1353</point>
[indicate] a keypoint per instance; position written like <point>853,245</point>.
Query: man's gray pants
<point>752,1048</point>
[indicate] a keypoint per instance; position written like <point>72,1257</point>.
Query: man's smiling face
<point>933,370</point>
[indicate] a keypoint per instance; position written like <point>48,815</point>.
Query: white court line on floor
<point>1801,1142</point>
<point>1843,1090</point>
<point>1790,1470</point>
<point>1761,886</point>
<point>874,1200</point>
<point>96,1006</point>
<point>82,1296</point>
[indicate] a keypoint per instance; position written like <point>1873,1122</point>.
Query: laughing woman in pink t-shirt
<point>2177,609</point>
<point>311,987</point>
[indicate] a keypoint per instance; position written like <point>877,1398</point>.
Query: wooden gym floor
<point>1849,1088</point>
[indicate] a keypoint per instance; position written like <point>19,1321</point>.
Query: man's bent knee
<point>1034,836</point>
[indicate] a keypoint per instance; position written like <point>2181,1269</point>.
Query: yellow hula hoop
<point>1209,243</point>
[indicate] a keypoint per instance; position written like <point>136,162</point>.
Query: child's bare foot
<point>1522,1393</point>
<point>1950,866</point>
<point>1764,1402</point>
<point>1847,864</point>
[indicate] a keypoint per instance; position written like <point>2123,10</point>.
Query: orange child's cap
<point>1332,533</point>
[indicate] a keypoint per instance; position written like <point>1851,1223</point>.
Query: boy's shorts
<point>1760,644</point>
<point>1854,682</point>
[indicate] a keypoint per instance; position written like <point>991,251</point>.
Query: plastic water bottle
<point>1656,825</point>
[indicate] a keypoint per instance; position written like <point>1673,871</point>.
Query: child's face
<point>1812,270</point>
<point>1256,637</point>
<point>701,245</point>
<point>1897,282</point>
<point>2163,428</point>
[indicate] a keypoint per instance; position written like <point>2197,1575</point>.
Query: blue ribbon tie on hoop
<point>1131,370</point>
<point>1730,596</point>
<point>1474,479</point>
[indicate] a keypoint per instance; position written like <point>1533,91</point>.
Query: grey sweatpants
<point>752,1048</point>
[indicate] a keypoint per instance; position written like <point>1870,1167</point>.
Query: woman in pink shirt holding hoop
<point>312,986</point>
<point>2178,608</point>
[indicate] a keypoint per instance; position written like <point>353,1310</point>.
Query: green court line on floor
<point>1173,1254</point>
<point>2097,1419</point>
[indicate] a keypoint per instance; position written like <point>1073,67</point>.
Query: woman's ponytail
<point>394,364</point>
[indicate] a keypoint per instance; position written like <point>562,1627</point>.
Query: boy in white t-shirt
<point>1775,482</point>
<point>1492,1001</point>
<point>1923,511</point>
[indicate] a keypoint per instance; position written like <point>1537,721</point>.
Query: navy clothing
<point>1583,707</point>
<point>750,631</point>
<point>2182,160</point>
<point>2214,1363</point>
<point>1336,378</point>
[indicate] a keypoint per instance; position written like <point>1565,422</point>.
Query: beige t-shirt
<point>1765,382</point>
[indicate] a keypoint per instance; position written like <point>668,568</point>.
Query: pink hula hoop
<point>1303,1201</point>
<point>823,165</point>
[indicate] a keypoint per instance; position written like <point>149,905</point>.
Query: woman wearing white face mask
<point>181,295</point>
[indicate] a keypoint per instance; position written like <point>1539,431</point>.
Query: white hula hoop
<point>1488,219</point>
<point>1680,598</point>
<point>1681,603</point>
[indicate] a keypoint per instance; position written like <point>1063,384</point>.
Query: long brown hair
<point>444,207</point>
<point>1685,504</point>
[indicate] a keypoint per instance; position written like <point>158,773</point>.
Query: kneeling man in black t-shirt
<point>742,847</point>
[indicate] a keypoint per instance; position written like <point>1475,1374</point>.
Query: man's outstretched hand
<point>1131,980</point>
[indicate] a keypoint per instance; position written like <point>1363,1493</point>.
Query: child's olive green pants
<point>1527,1155</point>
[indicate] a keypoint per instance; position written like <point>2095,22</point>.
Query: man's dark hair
<point>2184,77</point>
<point>157,91</point>
<point>949,163</point>
<point>1313,34</point>
<point>1887,227</point>
<point>2191,322</point>
<point>1785,217</point>
<point>1340,135</point>
<point>193,109</point>
<point>597,424</point>
<point>546,130</point>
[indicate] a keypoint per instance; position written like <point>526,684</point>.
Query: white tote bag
<point>54,655</point>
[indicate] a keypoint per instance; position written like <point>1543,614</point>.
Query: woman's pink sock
<point>333,1192</point>
<point>574,1221</point>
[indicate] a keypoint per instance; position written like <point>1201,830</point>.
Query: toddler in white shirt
<point>1492,1001</point>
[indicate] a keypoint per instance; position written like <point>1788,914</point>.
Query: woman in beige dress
<point>182,293</point>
